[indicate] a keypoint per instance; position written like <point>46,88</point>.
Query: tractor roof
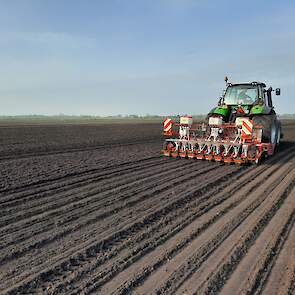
<point>249,83</point>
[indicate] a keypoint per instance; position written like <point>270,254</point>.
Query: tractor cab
<point>244,100</point>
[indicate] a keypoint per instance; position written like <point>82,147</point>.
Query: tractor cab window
<point>241,94</point>
<point>269,100</point>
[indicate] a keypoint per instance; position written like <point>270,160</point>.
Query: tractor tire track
<point>182,221</point>
<point>282,274</point>
<point>214,272</point>
<point>169,201</point>
<point>68,215</point>
<point>49,239</point>
<point>215,236</point>
<point>55,198</point>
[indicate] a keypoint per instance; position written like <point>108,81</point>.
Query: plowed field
<point>88,209</point>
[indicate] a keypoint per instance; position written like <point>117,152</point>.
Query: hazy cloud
<point>167,56</point>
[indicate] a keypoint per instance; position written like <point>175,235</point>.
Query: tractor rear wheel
<point>270,128</point>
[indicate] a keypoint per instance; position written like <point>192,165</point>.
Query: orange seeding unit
<point>229,143</point>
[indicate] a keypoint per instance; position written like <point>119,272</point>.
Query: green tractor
<point>243,127</point>
<point>251,100</point>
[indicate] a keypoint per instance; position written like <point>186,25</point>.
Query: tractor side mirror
<point>278,91</point>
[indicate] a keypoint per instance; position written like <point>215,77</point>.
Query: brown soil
<point>95,209</point>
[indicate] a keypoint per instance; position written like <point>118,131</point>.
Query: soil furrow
<point>86,192</point>
<point>151,263</point>
<point>169,202</point>
<point>214,271</point>
<point>141,246</point>
<point>68,223</point>
<point>35,154</point>
<point>280,278</point>
<point>167,273</point>
<point>96,210</point>
<point>260,257</point>
<point>102,173</point>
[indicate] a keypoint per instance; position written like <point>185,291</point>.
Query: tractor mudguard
<point>223,111</point>
<point>260,110</point>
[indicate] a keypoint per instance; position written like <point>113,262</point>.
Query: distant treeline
<point>287,116</point>
<point>63,117</point>
<point>83,119</point>
<point>133,118</point>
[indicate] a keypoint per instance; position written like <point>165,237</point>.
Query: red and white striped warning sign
<point>247,127</point>
<point>167,125</point>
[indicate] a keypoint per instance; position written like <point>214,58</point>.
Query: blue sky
<point>143,56</point>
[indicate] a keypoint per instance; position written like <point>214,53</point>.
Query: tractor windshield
<point>241,94</point>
